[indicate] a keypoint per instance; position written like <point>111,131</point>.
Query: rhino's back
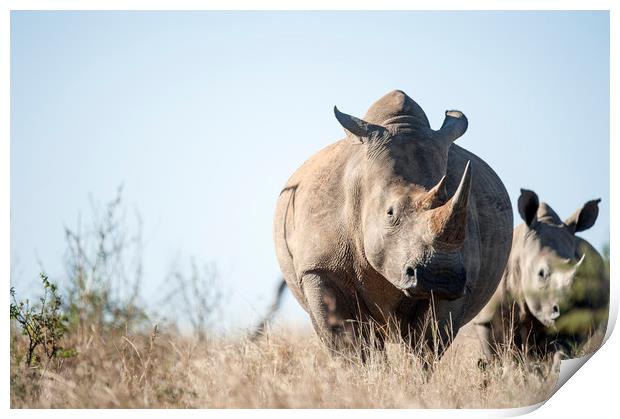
<point>490,224</point>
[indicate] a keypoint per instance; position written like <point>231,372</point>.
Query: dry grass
<point>285,369</point>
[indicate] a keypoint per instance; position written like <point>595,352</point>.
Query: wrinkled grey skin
<point>369,227</point>
<point>544,260</point>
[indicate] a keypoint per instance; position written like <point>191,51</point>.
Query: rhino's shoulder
<point>326,164</point>
<point>504,304</point>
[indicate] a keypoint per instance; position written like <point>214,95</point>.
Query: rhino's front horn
<point>448,222</point>
<point>454,125</point>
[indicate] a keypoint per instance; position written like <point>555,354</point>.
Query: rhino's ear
<point>454,125</point>
<point>584,217</point>
<point>528,206</point>
<point>363,130</point>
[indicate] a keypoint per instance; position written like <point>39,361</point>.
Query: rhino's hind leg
<point>338,319</point>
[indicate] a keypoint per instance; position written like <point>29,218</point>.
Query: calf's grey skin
<point>545,257</point>
<point>372,226</point>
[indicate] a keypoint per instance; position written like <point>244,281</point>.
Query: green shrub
<point>44,325</point>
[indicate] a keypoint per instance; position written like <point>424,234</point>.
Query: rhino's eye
<point>390,211</point>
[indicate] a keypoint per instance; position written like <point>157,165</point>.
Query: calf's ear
<point>364,131</point>
<point>584,217</point>
<point>528,206</point>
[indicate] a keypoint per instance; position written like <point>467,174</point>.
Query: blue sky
<point>203,116</point>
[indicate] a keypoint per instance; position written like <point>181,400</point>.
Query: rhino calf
<point>372,228</point>
<point>539,285</point>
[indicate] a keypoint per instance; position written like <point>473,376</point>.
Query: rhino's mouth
<point>426,283</point>
<point>443,291</point>
<point>417,293</point>
<point>546,320</point>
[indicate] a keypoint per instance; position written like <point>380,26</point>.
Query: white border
<point>307,5</point>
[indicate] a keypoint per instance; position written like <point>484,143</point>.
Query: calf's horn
<point>448,222</point>
<point>578,264</point>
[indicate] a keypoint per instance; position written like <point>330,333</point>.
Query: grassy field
<point>285,369</point>
<point>92,344</point>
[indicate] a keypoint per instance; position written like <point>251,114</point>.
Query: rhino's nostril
<point>410,272</point>
<point>556,309</point>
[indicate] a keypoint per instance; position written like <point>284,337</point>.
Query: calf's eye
<point>541,274</point>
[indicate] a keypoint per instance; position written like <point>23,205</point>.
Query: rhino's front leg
<point>444,325</point>
<point>337,318</point>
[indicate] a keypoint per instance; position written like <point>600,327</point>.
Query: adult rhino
<point>374,225</point>
<point>552,275</point>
